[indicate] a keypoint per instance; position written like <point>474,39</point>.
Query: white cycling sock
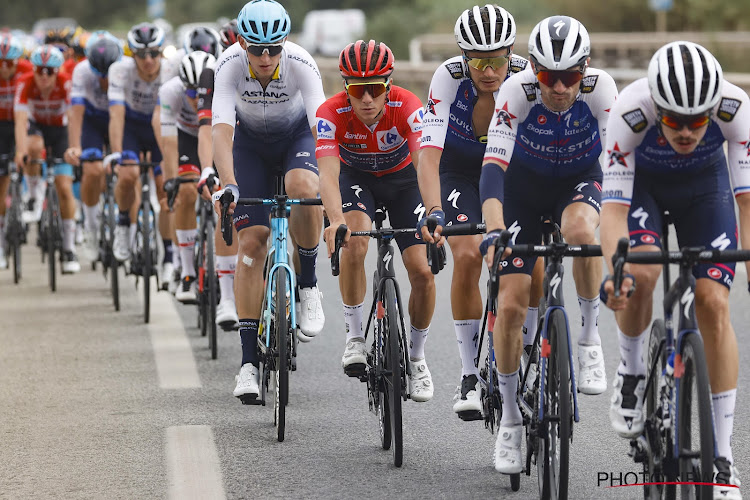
<point>225,267</point>
<point>353,321</point>
<point>530,325</point>
<point>631,353</point>
<point>2,228</point>
<point>416,344</point>
<point>467,335</point>
<point>69,235</point>
<point>186,240</point>
<point>91,214</point>
<point>508,384</point>
<point>589,321</point>
<point>34,181</point>
<point>723,404</point>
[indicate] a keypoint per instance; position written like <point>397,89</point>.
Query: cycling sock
<point>307,260</point>
<point>249,340</point>
<point>91,214</point>
<point>168,250</point>
<point>508,384</point>
<point>589,321</point>
<point>176,261</point>
<point>34,181</point>
<point>353,321</point>
<point>69,235</point>
<point>2,228</point>
<point>123,219</point>
<point>530,325</point>
<point>225,266</point>
<point>631,353</point>
<point>416,345</point>
<point>186,239</point>
<point>723,403</point>
<point>467,335</point>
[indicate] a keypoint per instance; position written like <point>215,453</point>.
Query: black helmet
<point>203,39</point>
<point>102,51</point>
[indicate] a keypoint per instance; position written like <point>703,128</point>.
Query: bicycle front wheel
<point>694,420</point>
<point>281,398</point>
<point>210,284</point>
<point>53,235</point>
<point>393,366</point>
<point>657,445</point>
<point>557,411</point>
<point>147,261</point>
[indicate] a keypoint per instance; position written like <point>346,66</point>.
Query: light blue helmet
<point>47,55</point>
<point>10,47</point>
<point>263,21</point>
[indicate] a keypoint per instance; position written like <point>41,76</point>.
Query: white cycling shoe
<point>310,315</point>
<point>121,243</point>
<point>507,456</point>
<point>726,475</point>
<point>468,404</point>
<point>247,382</point>
<point>226,315</point>
<point>592,377</point>
<point>354,359</point>
<point>420,381</point>
<point>626,406</point>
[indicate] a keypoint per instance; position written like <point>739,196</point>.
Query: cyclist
<point>373,128</point>
<point>89,119</point>
<point>266,92</point>
<point>542,158</point>
<point>11,51</point>
<point>178,99</point>
<point>454,134</point>
<point>201,38</point>
<point>133,93</point>
<point>226,257</point>
<point>41,120</point>
<point>63,38</point>
<point>672,127</point>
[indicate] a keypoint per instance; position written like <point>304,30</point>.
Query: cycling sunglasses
<point>45,70</point>
<point>259,50</point>
<point>192,93</point>
<point>568,78</point>
<point>375,89</point>
<point>677,122</point>
<point>142,54</point>
<point>482,63</point>
<point>7,63</point>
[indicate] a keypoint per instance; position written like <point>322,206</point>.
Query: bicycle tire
<point>202,284</point>
<point>379,387</point>
<point>112,261</point>
<point>693,468</point>
<point>209,280</point>
<point>52,235</point>
<point>393,366</point>
<point>656,455</point>
<point>146,248</point>
<point>16,253</point>
<point>281,398</point>
<point>558,402</point>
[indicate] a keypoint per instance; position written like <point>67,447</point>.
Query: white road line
<point>193,464</point>
<point>174,356</point>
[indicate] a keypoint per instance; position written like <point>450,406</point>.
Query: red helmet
<point>366,60</point>
<point>228,33</point>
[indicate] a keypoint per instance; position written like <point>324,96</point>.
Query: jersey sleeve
<point>225,87</point>
<point>412,109</point>
<point>78,88</point>
<point>733,116</point>
<point>511,107</point>
<point>169,100</point>
<point>205,96</point>
<point>605,98</point>
<point>117,77</point>
<point>21,102</point>
<point>442,93</point>
<point>311,87</point>
<point>325,126</point>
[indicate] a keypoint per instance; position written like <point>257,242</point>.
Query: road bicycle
<point>277,342</point>
<point>50,224</point>
<point>110,265</point>
<point>677,444</point>
<point>144,252</point>
<point>15,228</point>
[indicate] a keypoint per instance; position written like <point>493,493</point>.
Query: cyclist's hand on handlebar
<point>216,197</point>
<point>487,247</point>
<point>72,156</point>
<point>208,176</point>
<point>329,234</point>
<point>607,292</point>
<point>21,158</point>
<point>435,236</point>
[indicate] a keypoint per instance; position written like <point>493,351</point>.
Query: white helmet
<point>559,43</point>
<point>685,78</point>
<point>485,28</point>
<point>192,65</point>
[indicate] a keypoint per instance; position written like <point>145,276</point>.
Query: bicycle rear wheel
<point>210,284</point>
<point>281,398</point>
<point>655,455</point>
<point>558,415</point>
<point>147,261</point>
<point>393,365</point>
<point>694,419</point>
<point>109,253</point>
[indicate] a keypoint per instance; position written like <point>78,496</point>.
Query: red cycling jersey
<point>50,111</point>
<point>69,65</point>
<point>8,90</point>
<point>384,149</point>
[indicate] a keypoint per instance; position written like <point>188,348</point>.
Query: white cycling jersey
<point>171,66</point>
<point>87,91</point>
<point>176,112</point>
<point>271,113</point>
<point>126,87</point>
<point>635,139</point>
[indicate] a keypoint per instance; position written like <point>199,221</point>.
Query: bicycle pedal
<point>470,415</point>
<point>356,370</point>
<point>250,400</point>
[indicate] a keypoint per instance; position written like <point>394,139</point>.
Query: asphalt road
<point>95,404</point>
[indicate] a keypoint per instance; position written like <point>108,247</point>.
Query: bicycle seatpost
<point>340,234</point>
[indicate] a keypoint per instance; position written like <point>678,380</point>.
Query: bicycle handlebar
<point>172,188</point>
<point>435,256</point>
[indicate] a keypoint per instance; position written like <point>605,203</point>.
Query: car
<point>327,32</point>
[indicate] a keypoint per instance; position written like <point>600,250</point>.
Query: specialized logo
<point>504,117</point>
<point>714,273</point>
<point>514,229</point>
<point>581,185</point>
<point>727,109</point>
<point>687,300</point>
<point>419,211</point>
<point>558,25</point>
<point>722,242</point>
<point>387,259</point>
<point>356,189</point>
<point>555,283</point>
<point>640,214</point>
<point>431,103</point>
<point>617,157</point>
<point>325,129</point>
<point>453,198</point>
<point>388,139</point>
<point>636,120</point>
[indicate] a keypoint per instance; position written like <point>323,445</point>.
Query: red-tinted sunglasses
<point>7,63</point>
<point>45,70</point>
<point>568,78</point>
<point>357,90</point>
<point>677,122</point>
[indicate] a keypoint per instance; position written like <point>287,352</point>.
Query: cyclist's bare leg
<point>64,185</point>
<point>91,182</point>
<point>579,223</point>
<point>305,223</point>
<point>125,189</point>
<point>712,312</point>
<point>353,280</point>
<point>636,317</point>
<point>466,299</point>
<point>422,298</point>
<point>4,183</point>
<point>512,305</point>
<point>33,171</point>
<point>249,274</point>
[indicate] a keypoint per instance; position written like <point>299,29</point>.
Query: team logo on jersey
<point>431,103</point>
<point>518,262</point>
<point>728,108</point>
<point>747,146</point>
<point>325,129</point>
<point>661,141</point>
<point>462,217</point>
<point>388,139</point>
<point>648,239</point>
<point>504,117</point>
<point>415,120</point>
<point>530,91</point>
<point>517,64</point>
<point>541,119</point>
<point>635,120</point>
<point>588,84</point>
<point>456,70</point>
<point>714,273</point>
<point>617,157</point>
